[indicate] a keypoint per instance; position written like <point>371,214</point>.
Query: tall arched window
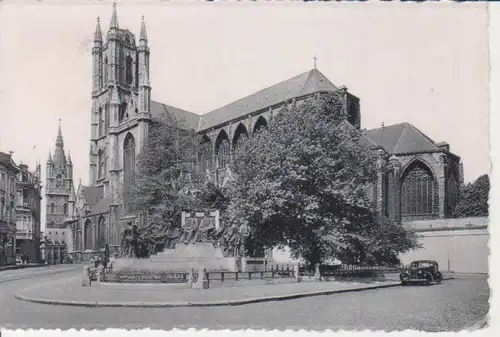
<point>129,70</point>
<point>59,181</point>
<point>65,209</point>
<point>102,237</point>
<point>123,115</point>
<point>105,71</point>
<point>205,155</point>
<point>239,135</point>
<point>87,235</point>
<point>52,208</point>
<point>260,124</point>
<point>101,157</point>
<point>129,158</point>
<point>128,167</point>
<point>417,192</point>
<point>222,150</point>
<point>25,223</point>
<point>101,122</point>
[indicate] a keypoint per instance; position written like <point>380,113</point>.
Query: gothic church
<point>418,178</point>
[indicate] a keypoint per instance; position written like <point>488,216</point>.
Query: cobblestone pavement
<point>449,306</point>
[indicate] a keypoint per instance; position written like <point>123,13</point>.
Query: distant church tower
<point>58,186</point>
<point>121,99</point>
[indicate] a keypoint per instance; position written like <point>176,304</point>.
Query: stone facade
<point>122,113</point>
<point>28,213</point>
<point>8,178</point>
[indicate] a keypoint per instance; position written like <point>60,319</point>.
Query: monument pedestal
<point>183,257</point>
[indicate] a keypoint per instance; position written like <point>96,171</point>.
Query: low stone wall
<point>448,224</point>
<point>459,245</point>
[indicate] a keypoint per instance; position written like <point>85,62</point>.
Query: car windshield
<point>421,264</point>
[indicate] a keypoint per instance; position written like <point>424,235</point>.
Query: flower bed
<point>146,276</point>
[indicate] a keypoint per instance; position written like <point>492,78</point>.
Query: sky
<point>426,64</point>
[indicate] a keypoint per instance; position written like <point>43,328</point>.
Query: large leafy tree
<point>474,198</point>
<point>302,182</point>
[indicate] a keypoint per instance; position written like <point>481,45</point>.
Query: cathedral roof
<point>304,84</point>
<point>187,119</point>
<point>101,207</point>
<point>401,139</point>
<point>307,83</point>
<point>363,139</point>
<point>92,194</point>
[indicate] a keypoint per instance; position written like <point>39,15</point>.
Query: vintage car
<point>421,271</point>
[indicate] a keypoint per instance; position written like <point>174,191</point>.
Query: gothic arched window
<point>101,156</point>
<point>87,235</point>
<point>222,150</point>
<point>129,70</point>
<point>417,192</point>
<point>123,115</point>
<point>129,157</point>
<point>105,70</point>
<point>239,135</point>
<point>101,122</point>
<point>59,181</point>
<point>101,239</point>
<point>205,155</point>
<point>65,209</point>
<point>260,124</point>
<point>52,208</point>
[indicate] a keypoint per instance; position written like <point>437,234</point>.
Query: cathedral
<point>418,178</point>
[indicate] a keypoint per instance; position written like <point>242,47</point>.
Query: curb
<point>201,303</point>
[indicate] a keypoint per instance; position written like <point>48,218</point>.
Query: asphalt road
<point>449,306</point>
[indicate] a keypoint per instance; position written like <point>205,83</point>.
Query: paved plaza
<point>450,306</point>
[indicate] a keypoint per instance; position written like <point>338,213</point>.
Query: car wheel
<point>428,280</point>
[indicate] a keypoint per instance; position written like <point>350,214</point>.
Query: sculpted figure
<point>204,230</point>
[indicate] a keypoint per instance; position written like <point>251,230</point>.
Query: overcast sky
<point>426,64</point>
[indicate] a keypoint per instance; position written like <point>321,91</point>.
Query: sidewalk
<point>70,292</point>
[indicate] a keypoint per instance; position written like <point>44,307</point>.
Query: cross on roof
<point>315,59</point>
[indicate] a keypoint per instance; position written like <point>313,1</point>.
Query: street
<point>445,307</point>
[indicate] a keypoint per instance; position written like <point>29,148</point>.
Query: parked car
<point>423,272</point>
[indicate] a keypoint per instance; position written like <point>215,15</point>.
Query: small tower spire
<point>98,33</point>
<point>69,158</point>
<point>59,140</point>
<point>49,160</point>
<point>315,59</point>
<point>114,17</point>
<point>143,36</point>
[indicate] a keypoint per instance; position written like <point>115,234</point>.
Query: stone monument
<point>196,247</point>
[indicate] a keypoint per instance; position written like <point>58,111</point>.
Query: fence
<point>275,271</point>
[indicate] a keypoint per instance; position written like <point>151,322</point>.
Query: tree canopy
<point>302,183</point>
<point>474,198</point>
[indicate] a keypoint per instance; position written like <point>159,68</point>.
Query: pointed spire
<point>59,140</point>
<point>114,17</point>
<point>72,194</point>
<point>98,33</point>
<point>49,160</point>
<point>69,159</point>
<point>143,36</point>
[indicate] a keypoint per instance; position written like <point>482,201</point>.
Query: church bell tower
<point>121,103</point>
